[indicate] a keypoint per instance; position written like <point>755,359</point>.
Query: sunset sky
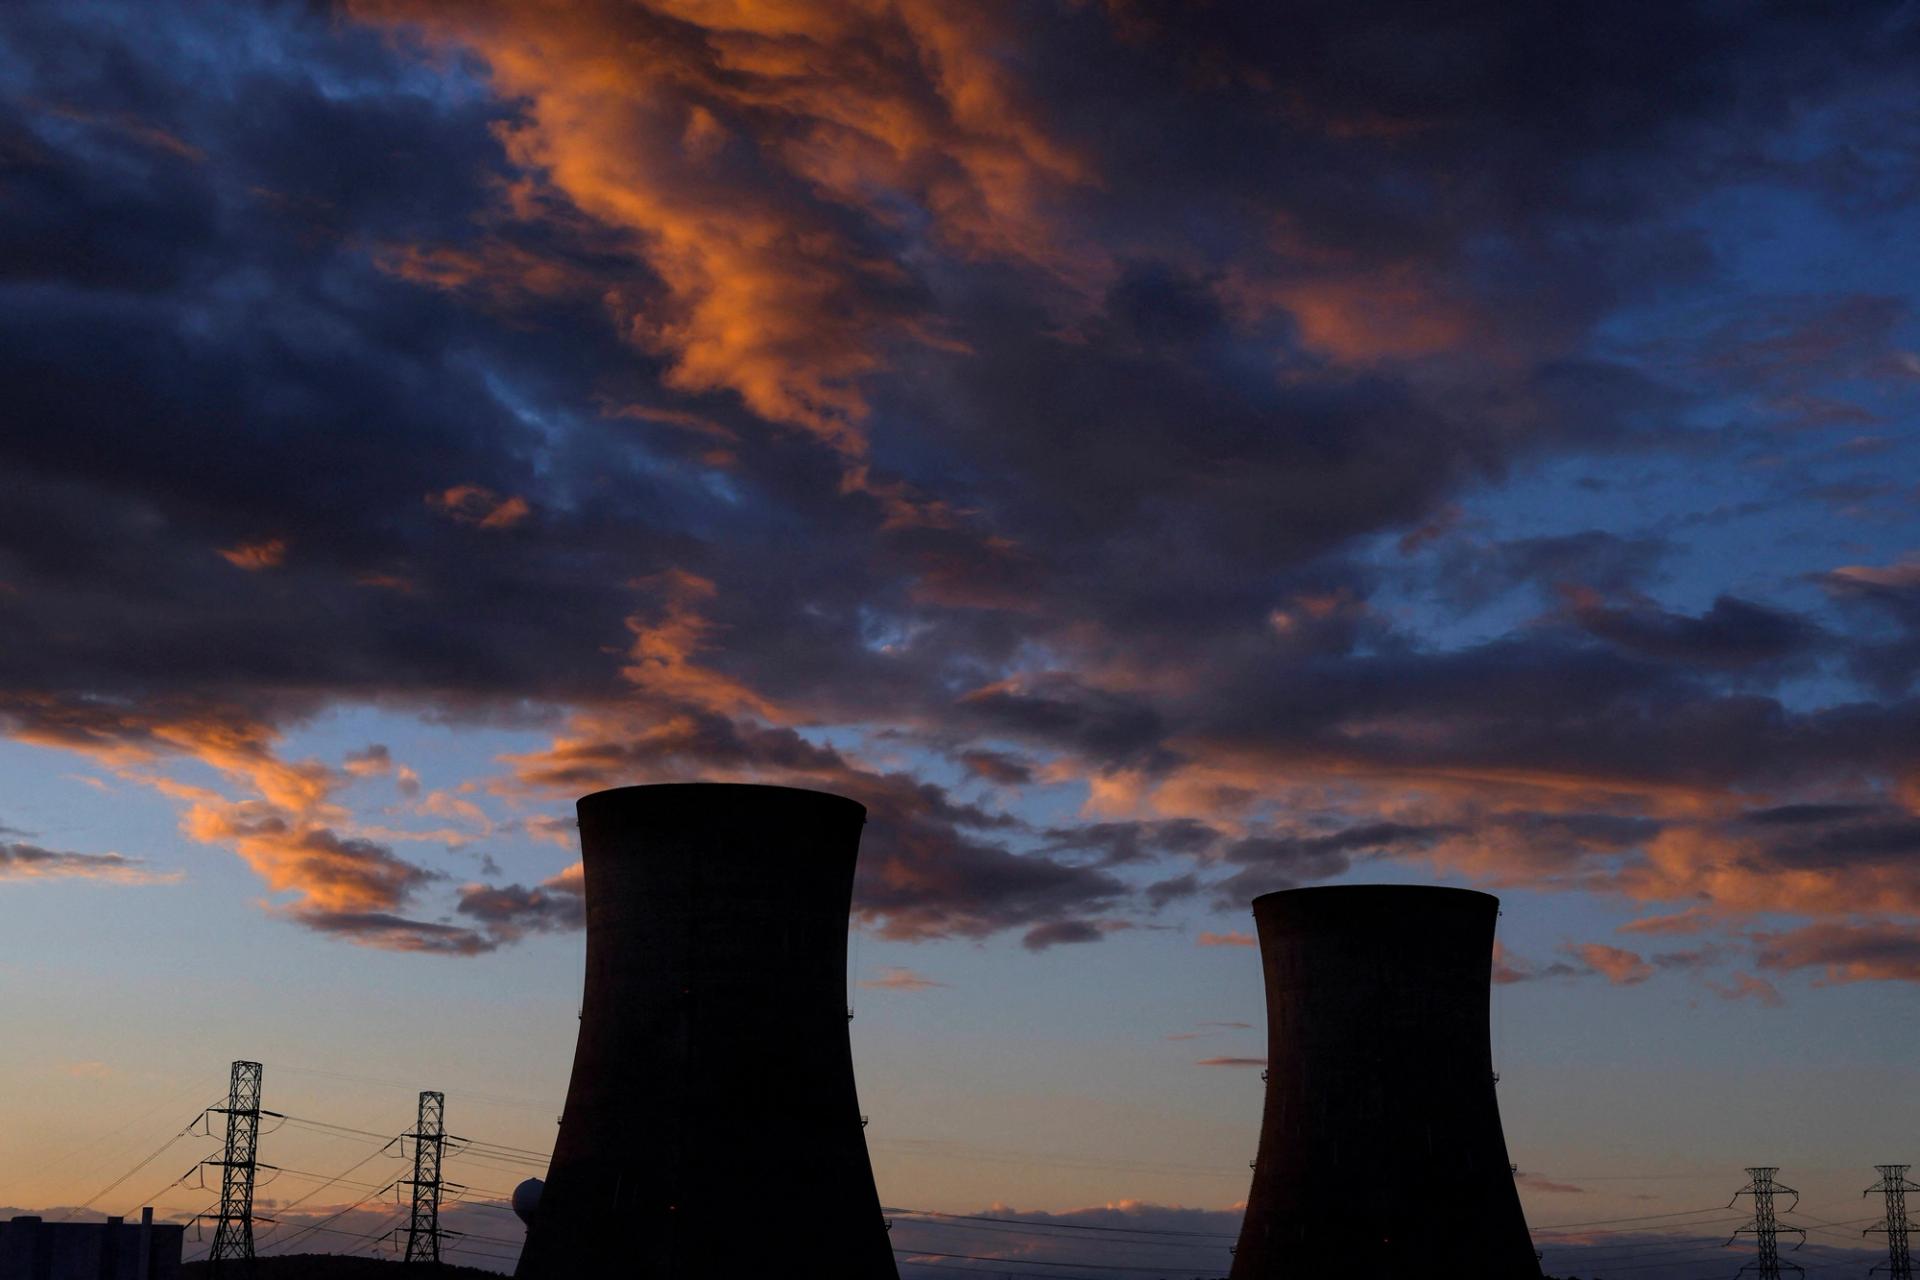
<point>1149,453</point>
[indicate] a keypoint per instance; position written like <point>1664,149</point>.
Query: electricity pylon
<point>429,1145</point>
<point>1765,1225</point>
<point>1894,1185</point>
<point>233,1235</point>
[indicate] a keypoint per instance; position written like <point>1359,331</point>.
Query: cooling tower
<point>711,1127</point>
<point>1380,1149</point>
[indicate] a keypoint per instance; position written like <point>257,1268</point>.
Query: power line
<point>497,1099</point>
<point>339,1177</point>
<point>148,1159</point>
<point>1078,1266</point>
<point>942,1150</point>
<point>42,1168</point>
<point>1125,1242</point>
<point>334,1217</point>
<point>1005,1268</point>
<point>1673,1242</point>
<point>1645,1217</point>
<point>1064,1226</point>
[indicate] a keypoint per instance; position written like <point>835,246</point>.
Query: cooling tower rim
<point>1359,894</point>
<point>701,797</point>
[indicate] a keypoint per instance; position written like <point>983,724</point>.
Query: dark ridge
<point>335,1266</point>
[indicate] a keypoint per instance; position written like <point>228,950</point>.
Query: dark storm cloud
<point>930,864</point>
<point>1791,348</point>
<point>998,767</point>
<point>1802,836</point>
<point>1468,574</point>
<point>1119,843</point>
<point>21,861</point>
<point>1732,634</point>
<point>1888,594</point>
<point>395,933</point>
<point>1847,952</point>
<point>1061,711</point>
<point>1273,862</point>
<point>1040,937</point>
<point>921,878</point>
<point>1162,892</point>
<point>1018,389</point>
<point>1540,704</point>
<point>510,910</point>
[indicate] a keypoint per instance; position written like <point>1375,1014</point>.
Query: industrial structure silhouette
<point>713,1068</point>
<point>713,1080</point>
<point>1381,1153</point>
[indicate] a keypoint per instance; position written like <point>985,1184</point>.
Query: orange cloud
<point>1507,967</point>
<point>1745,985</point>
<point>498,274</point>
<point>477,505</point>
<point>1390,314</point>
<point>1736,872</point>
<point>1692,920</point>
<point>1228,939</point>
<point>1620,967</point>
<point>290,830</point>
<point>268,553</point>
<point>132,127</point>
<point>1902,575</point>
<point>1351,309</point>
<point>897,979</point>
<point>386,582</point>
<point>558,831</point>
<point>663,651</point>
<point>1538,1182</point>
<point>328,872</point>
<point>729,142</point>
<point>370,762</point>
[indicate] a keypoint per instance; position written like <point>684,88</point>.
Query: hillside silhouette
<point>334,1266</point>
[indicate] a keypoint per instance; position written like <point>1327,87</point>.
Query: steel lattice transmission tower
<point>1894,1185</point>
<point>429,1144</point>
<point>233,1236</point>
<point>1765,1226</point>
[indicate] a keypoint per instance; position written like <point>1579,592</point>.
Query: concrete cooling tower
<point>1381,1153</point>
<point>711,1127</point>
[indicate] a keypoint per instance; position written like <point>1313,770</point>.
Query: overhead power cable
<point>334,1217</point>
<point>338,1177</point>
<point>497,1099</point>
<point>146,1160</point>
<point>1077,1266</point>
<point>1002,1267</point>
<point>1645,1217</point>
<point>1122,1241</point>
<point>1065,1226</point>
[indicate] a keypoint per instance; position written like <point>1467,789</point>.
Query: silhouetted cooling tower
<point>711,1127</point>
<point>1380,1149</point>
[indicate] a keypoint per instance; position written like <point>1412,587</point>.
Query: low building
<point>33,1249</point>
